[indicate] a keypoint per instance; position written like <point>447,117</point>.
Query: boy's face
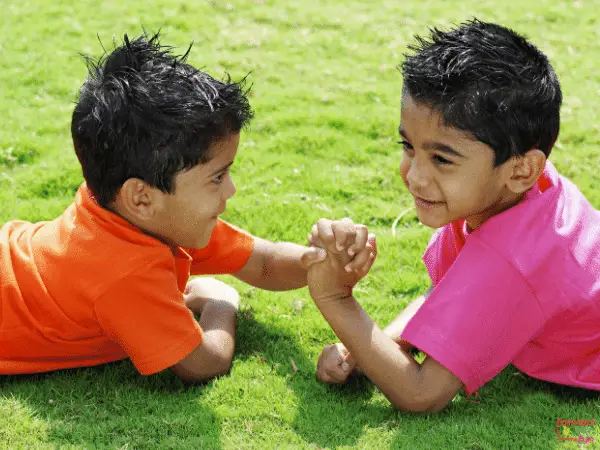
<point>201,193</point>
<point>187,217</point>
<point>450,175</point>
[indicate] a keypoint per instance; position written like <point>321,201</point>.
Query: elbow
<point>223,366</point>
<point>202,376</point>
<point>419,401</point>
<point>419,406</point>
<point>197,375</point>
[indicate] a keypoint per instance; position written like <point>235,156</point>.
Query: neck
<point>503,203</point>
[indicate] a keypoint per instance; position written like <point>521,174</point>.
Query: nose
<point>231,189</point>
<point>417,175</point>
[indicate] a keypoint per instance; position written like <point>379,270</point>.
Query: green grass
<point>326,94</point>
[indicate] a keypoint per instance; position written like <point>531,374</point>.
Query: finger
<point>315,238</point>
<point>344,233</point>
<point>341,349</point>
<point>364,270</point>
<point>350,232</point>
<point>322,374</point>
<point>342,370</point>
<point>359,260</point>
<point>337,375</point>
<point>312,255</point>
<point>325,233</point>
<point>362,235</point>
<point>352,363</point>
<point>325,377</point>
<point>372,240</point>
<point>349,359</point>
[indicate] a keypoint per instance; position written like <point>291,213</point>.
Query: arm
<point>283,266</point>
<point>408,386</point>
<point>336,364</point>
<point>218,304</point>
<point>213,356</point>
<point>274,266</point>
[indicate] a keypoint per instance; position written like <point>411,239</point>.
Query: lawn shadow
<point>513,411</point>
<point>327,415</point>
<point>112,405</point>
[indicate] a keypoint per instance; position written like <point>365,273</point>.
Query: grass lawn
<point>323,144</point>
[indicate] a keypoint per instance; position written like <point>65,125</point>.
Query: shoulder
<point>549,217</point>
<point>227,251</point>
<point>443,249</point>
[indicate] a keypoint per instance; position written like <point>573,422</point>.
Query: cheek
<point>467,192</point>
<point>404,166</point>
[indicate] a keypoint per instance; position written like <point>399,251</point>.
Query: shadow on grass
<point>513,411</point>
<point>113,406</point>
<point>327,415</point>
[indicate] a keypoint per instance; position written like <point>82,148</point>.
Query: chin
<point>432,222</point>
<point>205,238</point>
<point>202,242</point>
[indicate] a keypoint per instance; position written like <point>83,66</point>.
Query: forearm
<point>283,268</point>
<point>389,367</point>
<point>218,325</point>
<point>213,356</point>
<point>396,327</point>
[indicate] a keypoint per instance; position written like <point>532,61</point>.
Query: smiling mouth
<point>421,202</point>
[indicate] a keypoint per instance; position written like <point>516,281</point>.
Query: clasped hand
<point>350,253</point>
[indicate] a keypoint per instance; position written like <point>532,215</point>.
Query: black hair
<point>490,82</point>
<point>144,113</point>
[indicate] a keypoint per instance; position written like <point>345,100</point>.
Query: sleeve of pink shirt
<point>478,317</point>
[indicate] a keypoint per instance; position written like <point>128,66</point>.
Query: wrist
<point>334,297</point>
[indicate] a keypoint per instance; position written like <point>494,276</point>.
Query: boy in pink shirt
<point>515,264</point>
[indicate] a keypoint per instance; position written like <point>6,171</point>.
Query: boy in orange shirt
<point>108,279</point>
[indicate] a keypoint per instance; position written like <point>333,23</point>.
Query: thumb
<point>348,359</point>
<point>373,242</point>
<point>313,255</point>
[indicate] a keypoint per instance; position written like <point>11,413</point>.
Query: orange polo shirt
<point>89,287</point>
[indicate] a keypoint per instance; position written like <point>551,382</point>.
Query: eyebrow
<point>438,146</point>
<point>225,167</point>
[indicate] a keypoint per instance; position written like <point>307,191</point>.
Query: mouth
<point>424,203</point>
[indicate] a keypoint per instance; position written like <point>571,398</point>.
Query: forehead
<point>424,126</point>
<point>222,153</point>
<point>424,118</point>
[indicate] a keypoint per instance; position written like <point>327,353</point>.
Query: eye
<point>405,145</point>
<point>441,160</point>
<point>219,178</point>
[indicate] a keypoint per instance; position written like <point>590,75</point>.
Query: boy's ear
<point>137,199</point>
<point>526,170</point>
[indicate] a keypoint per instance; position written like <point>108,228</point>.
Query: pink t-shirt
<point>523,288</point>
